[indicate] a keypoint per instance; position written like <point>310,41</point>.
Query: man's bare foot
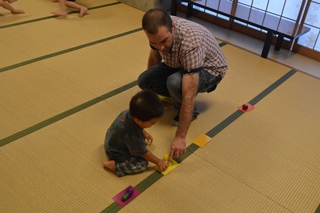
<point>17,11</point>
<point>83,10</point>
<point>11,1</point>
<point>109,164</point>
<point>60,13</point>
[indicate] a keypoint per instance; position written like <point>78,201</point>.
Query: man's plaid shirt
<point>195,47</point>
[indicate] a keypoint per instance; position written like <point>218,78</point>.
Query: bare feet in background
<point>82,12</point>
<point>6,5</point>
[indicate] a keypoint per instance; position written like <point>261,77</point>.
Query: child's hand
<point>147,137</point>
<point>162,165</point>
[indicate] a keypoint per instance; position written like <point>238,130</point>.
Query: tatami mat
<point>38,40</point>
<point>69,177</point>
<point>64,80</point>
<point>82,75</point>
<point>274,148</point>
<point>198,186</point>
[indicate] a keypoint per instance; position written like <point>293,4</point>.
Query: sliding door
<point>304,12</point>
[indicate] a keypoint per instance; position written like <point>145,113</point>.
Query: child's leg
<point>109,164</point>
<point>7,6</point>
<point>132,166</point>
<point>63,9</point>
<point>11,1</point>
<point>81,8</point>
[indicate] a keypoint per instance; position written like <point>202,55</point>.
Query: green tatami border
<point>65,114</point>
<point>69,112</point>
<point>254,101</point>
<point>3,69</point>
<point>54,16</point>
<point>155,176</point>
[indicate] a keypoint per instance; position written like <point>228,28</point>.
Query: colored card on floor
<point>246,107</point>
<point>173,164</point>
<point>118,198</point>
<point>202,140</point>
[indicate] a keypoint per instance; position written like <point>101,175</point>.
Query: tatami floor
<point>63,81</point>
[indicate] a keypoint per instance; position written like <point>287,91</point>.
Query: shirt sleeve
<point>192,57</point>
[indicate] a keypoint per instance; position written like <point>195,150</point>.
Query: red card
<point>250,107</point>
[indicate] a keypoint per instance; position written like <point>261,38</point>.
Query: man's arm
<point>154,58</point>
<point>190,83</point>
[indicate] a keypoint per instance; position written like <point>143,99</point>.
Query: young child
<point>125,144</point>
<point>69,3</point>
<point>6,5</point>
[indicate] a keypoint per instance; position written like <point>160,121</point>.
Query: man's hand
<point>178,148</point>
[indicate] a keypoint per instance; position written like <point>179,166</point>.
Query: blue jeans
<point>166,81</point>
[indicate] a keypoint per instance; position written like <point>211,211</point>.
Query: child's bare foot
<point>17,11</point>
<point>83,10</point>
<point>60,13</point>
<point>109,164</point>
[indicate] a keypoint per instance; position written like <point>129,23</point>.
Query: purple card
<point>118,197</point>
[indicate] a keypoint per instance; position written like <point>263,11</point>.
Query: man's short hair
<point>146,105</point>
<point>155,18</point>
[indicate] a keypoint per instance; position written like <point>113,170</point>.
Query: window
<point>304,12</point>
<point>312,40</point>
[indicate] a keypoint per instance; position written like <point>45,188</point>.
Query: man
<point>192,62</point>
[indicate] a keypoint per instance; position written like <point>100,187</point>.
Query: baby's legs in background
<point>6,5</point>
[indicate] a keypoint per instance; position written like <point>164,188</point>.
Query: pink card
<point>118,197</point>
<point>246,107</point>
